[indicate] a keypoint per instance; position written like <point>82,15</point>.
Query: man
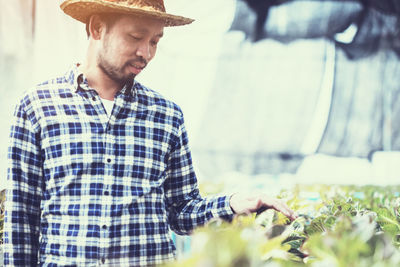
<point>100,168</point>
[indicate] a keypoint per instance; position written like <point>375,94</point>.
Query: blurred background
<point>274,92</point>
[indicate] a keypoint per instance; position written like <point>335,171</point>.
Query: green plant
<point>338,226</point>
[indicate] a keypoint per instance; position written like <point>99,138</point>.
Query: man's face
<point>127,46</point>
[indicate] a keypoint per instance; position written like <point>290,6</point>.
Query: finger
<point>290,213</point>
<point>281,207</point>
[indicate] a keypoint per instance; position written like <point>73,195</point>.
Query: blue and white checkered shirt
<point>86,189</point>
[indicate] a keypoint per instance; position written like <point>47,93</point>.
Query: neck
<point>98,80</point>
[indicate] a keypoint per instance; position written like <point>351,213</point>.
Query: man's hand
<point>247,203</point>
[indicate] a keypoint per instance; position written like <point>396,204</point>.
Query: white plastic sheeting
<point>263,102</point>
<point>270,99</point>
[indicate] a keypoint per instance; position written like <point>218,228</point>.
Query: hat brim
<point>82,9</point>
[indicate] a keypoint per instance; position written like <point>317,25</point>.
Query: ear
<point>96,27</point>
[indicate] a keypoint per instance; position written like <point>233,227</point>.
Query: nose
<point>144,50</point>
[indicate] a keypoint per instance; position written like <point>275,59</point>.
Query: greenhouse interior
<point>297,99</point>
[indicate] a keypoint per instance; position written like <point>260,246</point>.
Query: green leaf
<point>316,226</point>
<point>388,221</point>
<point>294,241</point>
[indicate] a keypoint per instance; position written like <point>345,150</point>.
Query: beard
<point>114,72</point>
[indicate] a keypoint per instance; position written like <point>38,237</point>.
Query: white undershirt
<point>108,105</point>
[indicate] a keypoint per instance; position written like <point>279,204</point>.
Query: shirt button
<point>104,227</point>
<point>103,260</point>
<point>106,193</point>
<point>94,98</point>
<point>109,160</point>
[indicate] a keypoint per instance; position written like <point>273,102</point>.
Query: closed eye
<point>137,38</point>
<point>154,43</point>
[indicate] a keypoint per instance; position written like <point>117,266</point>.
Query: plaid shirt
<point>86,189</point>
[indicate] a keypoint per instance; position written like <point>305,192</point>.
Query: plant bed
<point>338,226</point>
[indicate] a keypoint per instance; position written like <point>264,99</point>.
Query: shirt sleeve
<point>186,208</point>
<point>23,193</point>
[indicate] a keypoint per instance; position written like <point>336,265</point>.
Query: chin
<point>131,77</point>
<point>127,79</point>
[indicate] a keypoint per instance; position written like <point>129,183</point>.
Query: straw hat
<point>83,9</point>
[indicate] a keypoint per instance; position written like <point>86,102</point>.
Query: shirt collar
<point>76,78</point>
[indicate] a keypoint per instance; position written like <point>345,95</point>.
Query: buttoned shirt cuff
<point>224,210</point>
